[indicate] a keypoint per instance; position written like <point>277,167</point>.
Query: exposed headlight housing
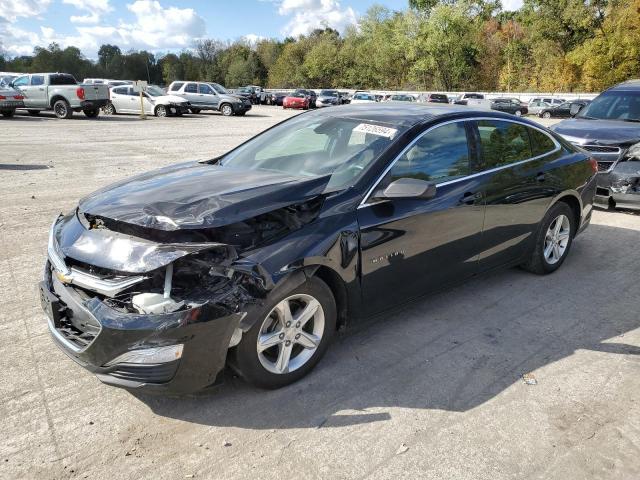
<point>149,356</point>
<point>634,151</point>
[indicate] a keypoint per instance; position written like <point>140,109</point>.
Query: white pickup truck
<point>61,93</point>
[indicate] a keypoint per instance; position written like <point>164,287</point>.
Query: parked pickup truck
<point>61,93</point>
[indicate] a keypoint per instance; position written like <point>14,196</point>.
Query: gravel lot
<point>433,391</point>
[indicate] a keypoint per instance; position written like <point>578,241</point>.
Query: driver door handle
<point>469,198</point>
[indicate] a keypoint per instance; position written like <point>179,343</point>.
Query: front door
<point>411,246</point>
<point>207,96</point>
<point>37,92</point>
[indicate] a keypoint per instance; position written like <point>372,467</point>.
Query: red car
<point>296,100</point>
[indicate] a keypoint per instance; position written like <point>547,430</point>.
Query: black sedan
<point>509,105</point>
<point>255,258</point>
<point>563,110</point>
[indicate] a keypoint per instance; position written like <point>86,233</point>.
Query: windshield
<point>614,105</point>
<point>315,146</point>
<point>219,88</point>
<point>363,96</point>
<point>154,91</point>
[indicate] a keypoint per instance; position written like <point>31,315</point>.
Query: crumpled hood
<point>198,195</point>
<point>598,132</point>
<point>169,99</point>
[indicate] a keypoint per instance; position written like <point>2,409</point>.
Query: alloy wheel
<point>60,109</point>
<point>290,334</point>
<point>226,110</point>
<point>556,240</point>
<point>161,111</point>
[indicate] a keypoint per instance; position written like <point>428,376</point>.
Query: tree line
<point>547,45</point>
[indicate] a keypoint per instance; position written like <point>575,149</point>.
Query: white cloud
<point>511,5</point>
<point>252,38</point>
<point>311,14</point>
<point>13,9</point>
<point>94,9</point>
<point>153,27</point>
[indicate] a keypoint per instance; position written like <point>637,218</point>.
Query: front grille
<point>602,149</point>
<point>604,166</point>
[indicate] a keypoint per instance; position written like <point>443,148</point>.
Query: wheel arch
<point>574,201</point>
<point>55,98</point>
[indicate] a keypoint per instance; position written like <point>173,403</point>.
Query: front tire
<point>160,111</point>
<point>290,337</point>
<point>226,110</point>
<point>553,240</point>
<point>109,109</point>
<point>62,110</point>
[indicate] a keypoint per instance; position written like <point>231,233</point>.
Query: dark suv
<point>609,128</point>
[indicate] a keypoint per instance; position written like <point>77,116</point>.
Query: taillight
<point>80,93</point>
<point>2,97</point>
<point>18,97</point>
<point>594,164</point>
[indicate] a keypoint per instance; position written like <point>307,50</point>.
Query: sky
<point>170,25</point>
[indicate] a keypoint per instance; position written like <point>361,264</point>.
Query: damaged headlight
<point>634,151</point>
<point>53,250</point>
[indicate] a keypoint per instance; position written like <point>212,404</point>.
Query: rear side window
<point>62,79</point>
<point>503,143</point>
<point>176,86</point>
<point>191,88</point>
<point>37,80</point>
<point>440,155</point>
<point>541,143</point>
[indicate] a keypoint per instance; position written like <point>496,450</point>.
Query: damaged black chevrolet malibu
<point>255,258</point>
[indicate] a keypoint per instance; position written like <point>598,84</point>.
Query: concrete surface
<point>433,391</point>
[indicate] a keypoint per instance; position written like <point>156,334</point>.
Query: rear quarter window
<point>541,143</point>
<point>503,143</point>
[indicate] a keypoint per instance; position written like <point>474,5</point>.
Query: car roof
<point>629,85</point>
<point>406,114</point>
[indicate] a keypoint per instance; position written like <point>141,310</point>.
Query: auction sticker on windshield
<point>376,130</point>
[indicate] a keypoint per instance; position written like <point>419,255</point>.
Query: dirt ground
<point>433,391</point>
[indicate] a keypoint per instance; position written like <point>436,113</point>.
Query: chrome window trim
<point>364,203</point>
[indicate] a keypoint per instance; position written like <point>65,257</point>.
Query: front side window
<point>206,89</point>
<point>309,146</point>
<point>191,88</point>
<point>440,155</point>
<point>503,143</point>
<point>37,80</point>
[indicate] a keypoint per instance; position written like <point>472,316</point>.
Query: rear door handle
<point>469,198</point>
<point>540,177</point>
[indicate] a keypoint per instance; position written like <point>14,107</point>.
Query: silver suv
<point>210,96</point>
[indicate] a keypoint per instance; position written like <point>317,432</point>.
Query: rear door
<point>517,182</point>
<point>191,94</point>
<point>411,246</point>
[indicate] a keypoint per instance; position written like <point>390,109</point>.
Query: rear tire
<point>92,113</point>
<point>546,115</point>
<point>62,110</point>
<point>8,113</point>
<point>262,366</point>
<point>553,240</point>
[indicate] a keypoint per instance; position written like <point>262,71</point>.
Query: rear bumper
<point>93,104</point>
<point>94,334</point>
<point>11,104</point>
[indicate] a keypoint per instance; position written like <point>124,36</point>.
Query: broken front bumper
<point>95,335</point>
<point>620,186</point>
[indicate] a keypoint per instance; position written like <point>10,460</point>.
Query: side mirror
<point>575,109</point>
<point>409,188</point>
